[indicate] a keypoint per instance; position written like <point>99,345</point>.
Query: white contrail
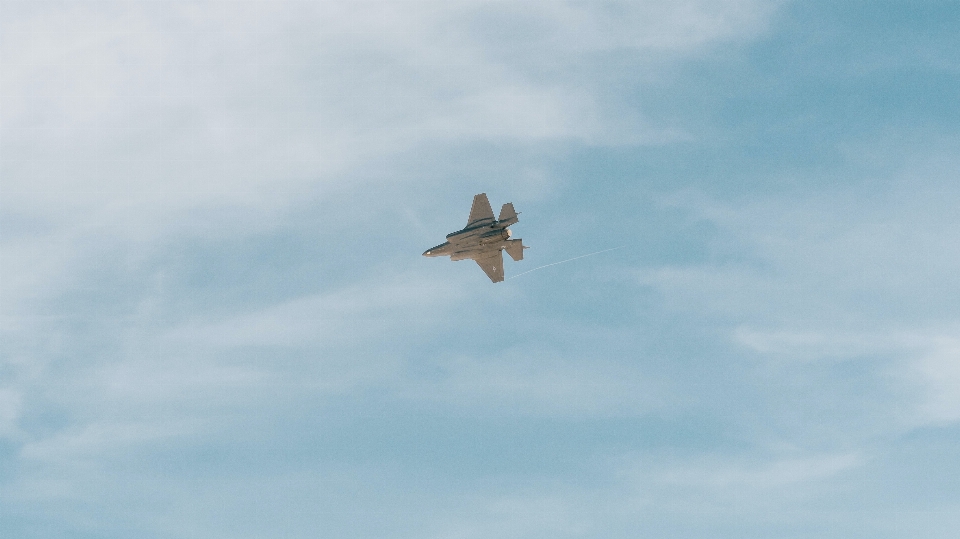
<point>568,260</point>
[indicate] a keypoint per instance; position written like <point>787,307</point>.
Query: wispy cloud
<point>847,274</point>
<point>211,307</point>
<point>727,478</point>
<point>10,406</point>
<point>531,382</point>
<point>938,369</point>
<point>482,70</point>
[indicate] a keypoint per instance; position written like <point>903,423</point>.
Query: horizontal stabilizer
<point>515,249</point>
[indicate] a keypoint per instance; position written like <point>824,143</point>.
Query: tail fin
<point>480,212</point>
<point>508,215</point>
<point>515,249</point>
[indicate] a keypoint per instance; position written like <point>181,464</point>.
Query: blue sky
<point>216,322</point>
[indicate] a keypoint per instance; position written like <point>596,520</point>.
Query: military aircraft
<point>483,239</point>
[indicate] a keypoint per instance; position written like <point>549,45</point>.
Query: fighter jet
<point>483,239</point>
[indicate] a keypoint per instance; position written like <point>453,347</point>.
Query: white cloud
<point>126,112</point>
<point>726,478</point>
<point>517,515</point>
<point>539,383</point>
<point>346,334</point>
<point>862,272</point>
<point>127,122</point>
<point>637,494</point>
<point>93,440</point>
<point>122,108</point>
<point>10,406</point>
<point>814,346</point>
<point>721,490</point>
<point>360,337</point>
<point>923,365</point>
<point>938,370</point>
<point>856,256</point>
<point>401,74</point>
<point>333,319</point>
<point>651,26</point>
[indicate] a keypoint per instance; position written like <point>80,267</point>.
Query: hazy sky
<point>216,322</point>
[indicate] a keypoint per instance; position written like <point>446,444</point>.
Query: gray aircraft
<point>483,239</point>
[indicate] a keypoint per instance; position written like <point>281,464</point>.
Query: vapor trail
<point>567,260</point>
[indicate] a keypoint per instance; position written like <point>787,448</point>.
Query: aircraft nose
<point>437,250</point>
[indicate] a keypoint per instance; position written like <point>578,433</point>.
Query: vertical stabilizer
<point>480,213</point>
<point>508,215</point>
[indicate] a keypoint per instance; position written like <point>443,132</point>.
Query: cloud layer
<point>216,323</point>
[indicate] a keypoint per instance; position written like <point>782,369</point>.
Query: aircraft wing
<point>492,265</point>
<point>480,212</point>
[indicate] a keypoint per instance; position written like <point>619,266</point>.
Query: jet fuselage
<point>483,239</point>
